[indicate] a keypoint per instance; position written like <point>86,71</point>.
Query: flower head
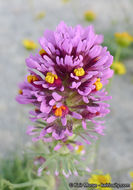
<point>29,44</point>
<point>123,39</point>
<point>66,83</point>
<point>119,68</point>
<point>90,16</point>
<point>99,180</point>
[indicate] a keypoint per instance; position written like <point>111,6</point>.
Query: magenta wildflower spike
<point>66,83</point>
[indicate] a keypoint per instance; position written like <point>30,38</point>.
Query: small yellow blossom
<point>119,68</point>
<point>98,84</point>
<point>32,78</point>
<point>40,15</point>
<point>100,179</point>
<point>20,91</point>
<point>79,72</point>
<point>50,77</point>
<point>123,39</point>
<point>58,111</point>
<point>80,149</point>
<point>29,44</point>
<point>89,16</point>
<point>42,52</point>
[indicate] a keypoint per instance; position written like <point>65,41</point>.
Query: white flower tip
<point>56,173</point>
<point>39,172</point>
<point>75,173</point>
<point>66,175</point>
<point>48,172</point>
<point>88,170</point>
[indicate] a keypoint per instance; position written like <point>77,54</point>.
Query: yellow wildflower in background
<point>29,44</point>
<point>123,39</point>
<point>89,16</point>
<point>100,179</point>
<point>131,175</point>
<point>119,68</point>
<point>40,15</point>
<point>131,186</point>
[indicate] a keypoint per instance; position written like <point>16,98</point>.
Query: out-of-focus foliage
<point>14,170</point>
<point>17,171</point>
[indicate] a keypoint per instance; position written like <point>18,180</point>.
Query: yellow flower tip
<point>79,149</point>
<point>131,174</point>
<point>58,111</point>
<point>50,77</point>
<point>98,84</point>
<point>31,78</point>
<point>36,109</point>
<point>42,52</point>
<point>97,59</point>
<point>119,68</point>
<point>29,44</point>
<point>123,39</point>
<point>89,16</point>
<point>79,72</point>
<point>20,91</point>
<point>40,15</point>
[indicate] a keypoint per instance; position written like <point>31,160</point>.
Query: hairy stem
<point>26,184</point>
<point>57,183</point>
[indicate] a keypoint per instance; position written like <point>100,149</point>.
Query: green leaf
<point>41,122</point>
<point>66,186</point>
<point>65,165</point>
<point>49,160</point>
<point>72,166</point>
<point>39,183</point>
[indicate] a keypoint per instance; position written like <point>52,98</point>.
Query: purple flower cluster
<point>66,82</point>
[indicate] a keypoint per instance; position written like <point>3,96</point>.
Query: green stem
<point>26,184</point>
<point>57,182</point>
<point>117,54</point>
